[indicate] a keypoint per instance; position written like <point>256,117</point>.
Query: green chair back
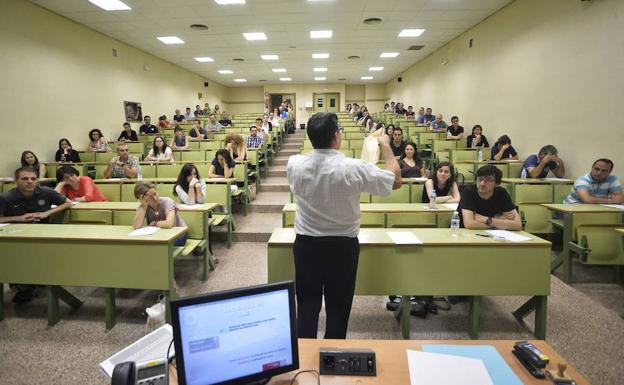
<point>604,243</point>
<point>112,191</point>
<point>402,195</point>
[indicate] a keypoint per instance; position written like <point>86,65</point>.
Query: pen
<point>485,235</point>
<point>492,236</point>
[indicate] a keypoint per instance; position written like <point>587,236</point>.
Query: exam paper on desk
<point>404,238</point>
<point>149,230</point>
<point>508,235</point>
<point>442,369</point>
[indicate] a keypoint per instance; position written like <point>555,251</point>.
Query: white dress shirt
<point>327,186</point>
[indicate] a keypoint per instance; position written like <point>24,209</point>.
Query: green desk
<point>573,216</point>
<point>469,168</point>
<point>552,189</point>
<point>468,265</point>
<point>389,215</point>
<point>86,255</point>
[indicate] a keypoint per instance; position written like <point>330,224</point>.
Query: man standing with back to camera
<point>327,186</point>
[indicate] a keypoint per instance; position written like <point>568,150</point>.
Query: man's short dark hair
<point>454,117</point>
<point>146,116</point>
<point>61,172</point>
<point>490,170</point>
<point>504,139</point>
<point>397,129</point>
<point>126,124</point>
<point>24,169</point>
<point>604,160</point>
<point>548,149</point>
<point>258,119</point>
<point>322,128</point>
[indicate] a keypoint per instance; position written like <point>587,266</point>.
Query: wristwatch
<point>489,221</point>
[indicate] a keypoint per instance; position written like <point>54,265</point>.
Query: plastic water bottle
<point>432,199</point>
<point>473,143</point>
<point>455,224</point>
<point>480,156</point>
<point>523,173</point>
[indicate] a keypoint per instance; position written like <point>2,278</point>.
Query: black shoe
<point>455,299</point>
<point>441,303</point>
<point>23,296</point>
<point>418,309</point>
<point>394,303</point>
<point>431,307</point>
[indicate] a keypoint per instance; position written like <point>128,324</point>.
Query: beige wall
<point>355,93</point>
<point>304,94</point>
<point>245,99</point>
<point>375,97</point>
<point>541,71</point>
<point>59,79</point>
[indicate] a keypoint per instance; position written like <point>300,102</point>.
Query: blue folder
<point>497,368</point>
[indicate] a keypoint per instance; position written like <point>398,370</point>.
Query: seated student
<point>477,139</point>
<point>222,165</point>
<point>538,166</point>
<point>160,152</point>
<point>189,115</point>
<point>263,131</point>
<point>274,119</point>
<point>163,122</point>
<point>178,117</point>
<point>198,111</point>
<point>190,187</point>
<point>428,117</point>
<point>156,211</point>
<point>391,108</point>
<point>254,140</point>
<point>77,188</point>
<point>438,124</point>
<point>421,115</point>
<point>455,131</point>
<point>128,134</point>
<point>400,110</point>
<point>216,109</point>
<point>368,123</point>
<point>225,120</point>
<point>123,165</point>
<point>410,163</point>
<point>597,186</point>
<point>502,150</point>
<point>410,114</point>
<point>29,159</point>
<point>97,141</point>
<point>486,205</point>
<point>390,129</point>
<point>65,153</point>
<point>443,182</point>
<point>147,127</point>
<point>267,126</point>
<point>179,142</point>
<point>29,203</point>
<point>397,144</point>
<point>207,110</point>
<point>197,132</point>
<point>236,145</point>
<point>213,125</point>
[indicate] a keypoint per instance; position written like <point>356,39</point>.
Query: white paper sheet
<point>404,238</point>
<point>619,207</point>
<point>508,235</point>
<point>419,179</point>
<point>452,206</point>
<point>185,206</point>
<point>4,224</point>
<point>149,230</point>
<point>441,369</point>
<point>556,179</point>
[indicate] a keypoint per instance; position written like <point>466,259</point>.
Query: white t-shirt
<point>183,195</point>
<point>327,186</point>
<point>162,155</point>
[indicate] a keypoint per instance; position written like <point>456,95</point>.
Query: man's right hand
<point>114,160</point>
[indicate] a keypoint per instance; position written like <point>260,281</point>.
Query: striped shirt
<point>596,189</point>
<point>254,141</point>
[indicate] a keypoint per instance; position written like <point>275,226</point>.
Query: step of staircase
<point>277,171</point>
<point>291,146</point>
<point>274,184</point>
<point>280,162</point>
<point>270,202</point>
<point>250,228</point>
<point>288,152</point>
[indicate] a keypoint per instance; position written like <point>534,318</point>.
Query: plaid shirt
<point>254,141</point>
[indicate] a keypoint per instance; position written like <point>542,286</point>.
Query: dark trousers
<point>325,265</point>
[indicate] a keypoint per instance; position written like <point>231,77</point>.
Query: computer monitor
<point>241,336</point>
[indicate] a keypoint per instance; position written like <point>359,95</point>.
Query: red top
<point>86,189</point>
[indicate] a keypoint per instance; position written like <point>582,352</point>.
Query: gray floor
<point>584,322</point>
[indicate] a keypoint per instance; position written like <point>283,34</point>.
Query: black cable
<point>170,359</point>
<point>318,376</point>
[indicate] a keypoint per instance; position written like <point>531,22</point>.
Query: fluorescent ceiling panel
<point>321,34</point>
<point>224,72</point>
<point>285,79</point>
<point>320,69</point>
<point>279,69</point>
<point>170,40</point>
<point>254,36</point>
<point>110,5</point>
<point>320,56</point>
<point>204,59</point>
<point>411,32</point>
<point>228,2</point>
<point>240,80</point>
<point>389,54</point>
<point>375,68</point>
<point>366,78</point>
<point>320,78</point>
<point>269,57</point>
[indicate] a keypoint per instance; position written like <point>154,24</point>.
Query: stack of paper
<point>404,238</point>
<point>620,207</point>
<point>442,369</point>
<point>149,230</point>
<point>508,235</point>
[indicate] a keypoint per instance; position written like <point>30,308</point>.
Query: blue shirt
<point>533,161</point>
<point>596,189</point>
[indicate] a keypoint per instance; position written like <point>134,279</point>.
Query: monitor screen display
<point>233,335</point>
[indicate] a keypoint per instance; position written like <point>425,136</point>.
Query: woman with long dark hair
<point>29,159</point>
<point>411,164</point>
<point>222,165</point>
<point>190,187</point>
<point>443,182</point>
<point>160,152</point>
<point>65,152</point>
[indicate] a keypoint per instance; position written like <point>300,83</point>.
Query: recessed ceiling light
<point>353,57</point>
<point>254,36</point>
<point>198,27</point>
<point>269,57</point>
<point>240,80</point>
<point>279,69</point>
<point>320,56</point>
<point>204,59</point>
<point>110,5</point>
<point>285,79</point>
<point>262,80</point>
<point>342,78</point>
<point>227,2</point>
<point>372,21</point>
<point>238,59</point>
<point>320,78</point>
<point>320,69</point>
<point>225,72</point>
<point>375,68</point>
<point>389,54</point>
<point>411,32</point>
<point>366,78</point>
<point>170,40</point>
<point>320,34</point>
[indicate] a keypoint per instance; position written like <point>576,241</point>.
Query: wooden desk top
<point>414,180</point>
<point>388,208</point>
<point>161,180</point>
<point>621,231</point>
<point>132,206</point>
<point>429,237</point>
<point>392,366</point>
<point>21,231</point>
<point>537,181</point>
<point>580,208</point>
